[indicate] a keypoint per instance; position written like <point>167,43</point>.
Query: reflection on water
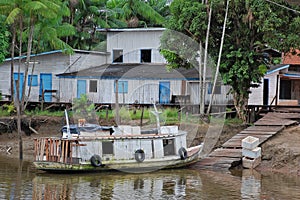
<point>22,181</point>
<point>117,185</point>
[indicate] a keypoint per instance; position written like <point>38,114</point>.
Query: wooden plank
<point>233,144</point>
<point>233,153</point>
<point>265,128</point>
<point>71,148</point>
<point>242,136</point>
<point>258,132</point>
<point>284,115</point>
<point>275,122</point>
<point>59,150</point>
<point>62,150</point>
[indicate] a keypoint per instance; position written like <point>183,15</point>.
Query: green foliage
<point>124,114</point>
<point>45,17</point>
<point>253,28</point>
<point>83,108</point>
<point>4,39</point>
<point>233,121</point>
<point>138,13</point>
<point>38,112</point>
<point>9,109</point>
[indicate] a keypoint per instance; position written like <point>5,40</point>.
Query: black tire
<point>182,153</point>
<point>96,161</point>
<point>139,155</point>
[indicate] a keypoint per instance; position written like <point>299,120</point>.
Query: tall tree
<point>253,27</point>
<point>24,16</point>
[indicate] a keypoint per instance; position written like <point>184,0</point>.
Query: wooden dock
<point>230,153</point>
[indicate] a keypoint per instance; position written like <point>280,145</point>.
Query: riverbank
<point>279,154</point>
<point>282,152</point>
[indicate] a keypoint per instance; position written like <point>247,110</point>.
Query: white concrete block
<point>251,163</point>
<point>254,153</point>
<point>250,142</point>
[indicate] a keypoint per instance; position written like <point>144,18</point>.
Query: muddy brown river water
<point>23,181</point>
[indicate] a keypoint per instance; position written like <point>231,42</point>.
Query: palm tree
<point>86,16</point>
<point>137,12</point>
<point>29,13</point>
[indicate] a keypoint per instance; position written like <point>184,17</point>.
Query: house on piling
<point>280,85</point>
<point>132,57</point>
<point>42,71</point>
<point>134,60</point>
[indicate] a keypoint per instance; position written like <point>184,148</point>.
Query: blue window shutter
<point>122,87</point>
<point>34,80</point>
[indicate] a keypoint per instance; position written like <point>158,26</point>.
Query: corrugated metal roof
<point>130,29</point>
<point>292,75</point>
<point>134,71</point>
<point>33,55</point>
<point>276,68</point>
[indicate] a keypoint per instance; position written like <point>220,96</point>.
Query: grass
<point>168,116</point>
<point>47,113</point>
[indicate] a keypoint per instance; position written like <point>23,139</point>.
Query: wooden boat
<point>90,147</point>
<point>127,148</point>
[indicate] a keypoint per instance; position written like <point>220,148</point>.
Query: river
<point>23,181</point>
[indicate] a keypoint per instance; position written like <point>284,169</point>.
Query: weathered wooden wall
<point>131,42</point>
<point>142,91</point>
<point>256,95</point>
<point>53,64</point>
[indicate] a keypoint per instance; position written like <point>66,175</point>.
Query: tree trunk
<point>205,62</point>
<point>240,104</point>
<point>201,100</point>
<point>29,47</point>
<point>17,99</point>
<point>12,85</point>
<point>219,61</point>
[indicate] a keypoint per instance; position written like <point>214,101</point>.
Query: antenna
<point>157,113</point>
<point>68,125</point>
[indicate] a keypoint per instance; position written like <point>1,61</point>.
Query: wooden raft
<point>230,153</point>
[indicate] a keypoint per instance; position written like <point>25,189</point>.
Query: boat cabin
<point>111,144</point>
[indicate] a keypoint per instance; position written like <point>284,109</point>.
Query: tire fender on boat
<point>182,153</point>
<point>139,155</point>
<point>96,160</point>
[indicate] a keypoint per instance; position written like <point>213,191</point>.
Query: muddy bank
<point>282,152</point>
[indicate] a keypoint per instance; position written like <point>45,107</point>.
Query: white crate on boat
<point>125,130</point>
<point>135,130</point>
<point>254,153</point>
<point>250,142</point>
<point>169,129</point>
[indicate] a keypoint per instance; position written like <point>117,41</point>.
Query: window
<point>122,87</point>
<point>145,55</point>
<point>34,81</point>
<point>93,86</point>
<point>107,147</point>
<point>118,55</point>
<point>217,88</point>
<point>169,147</point>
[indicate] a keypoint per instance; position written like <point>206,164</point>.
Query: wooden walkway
<point>230,153</point>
